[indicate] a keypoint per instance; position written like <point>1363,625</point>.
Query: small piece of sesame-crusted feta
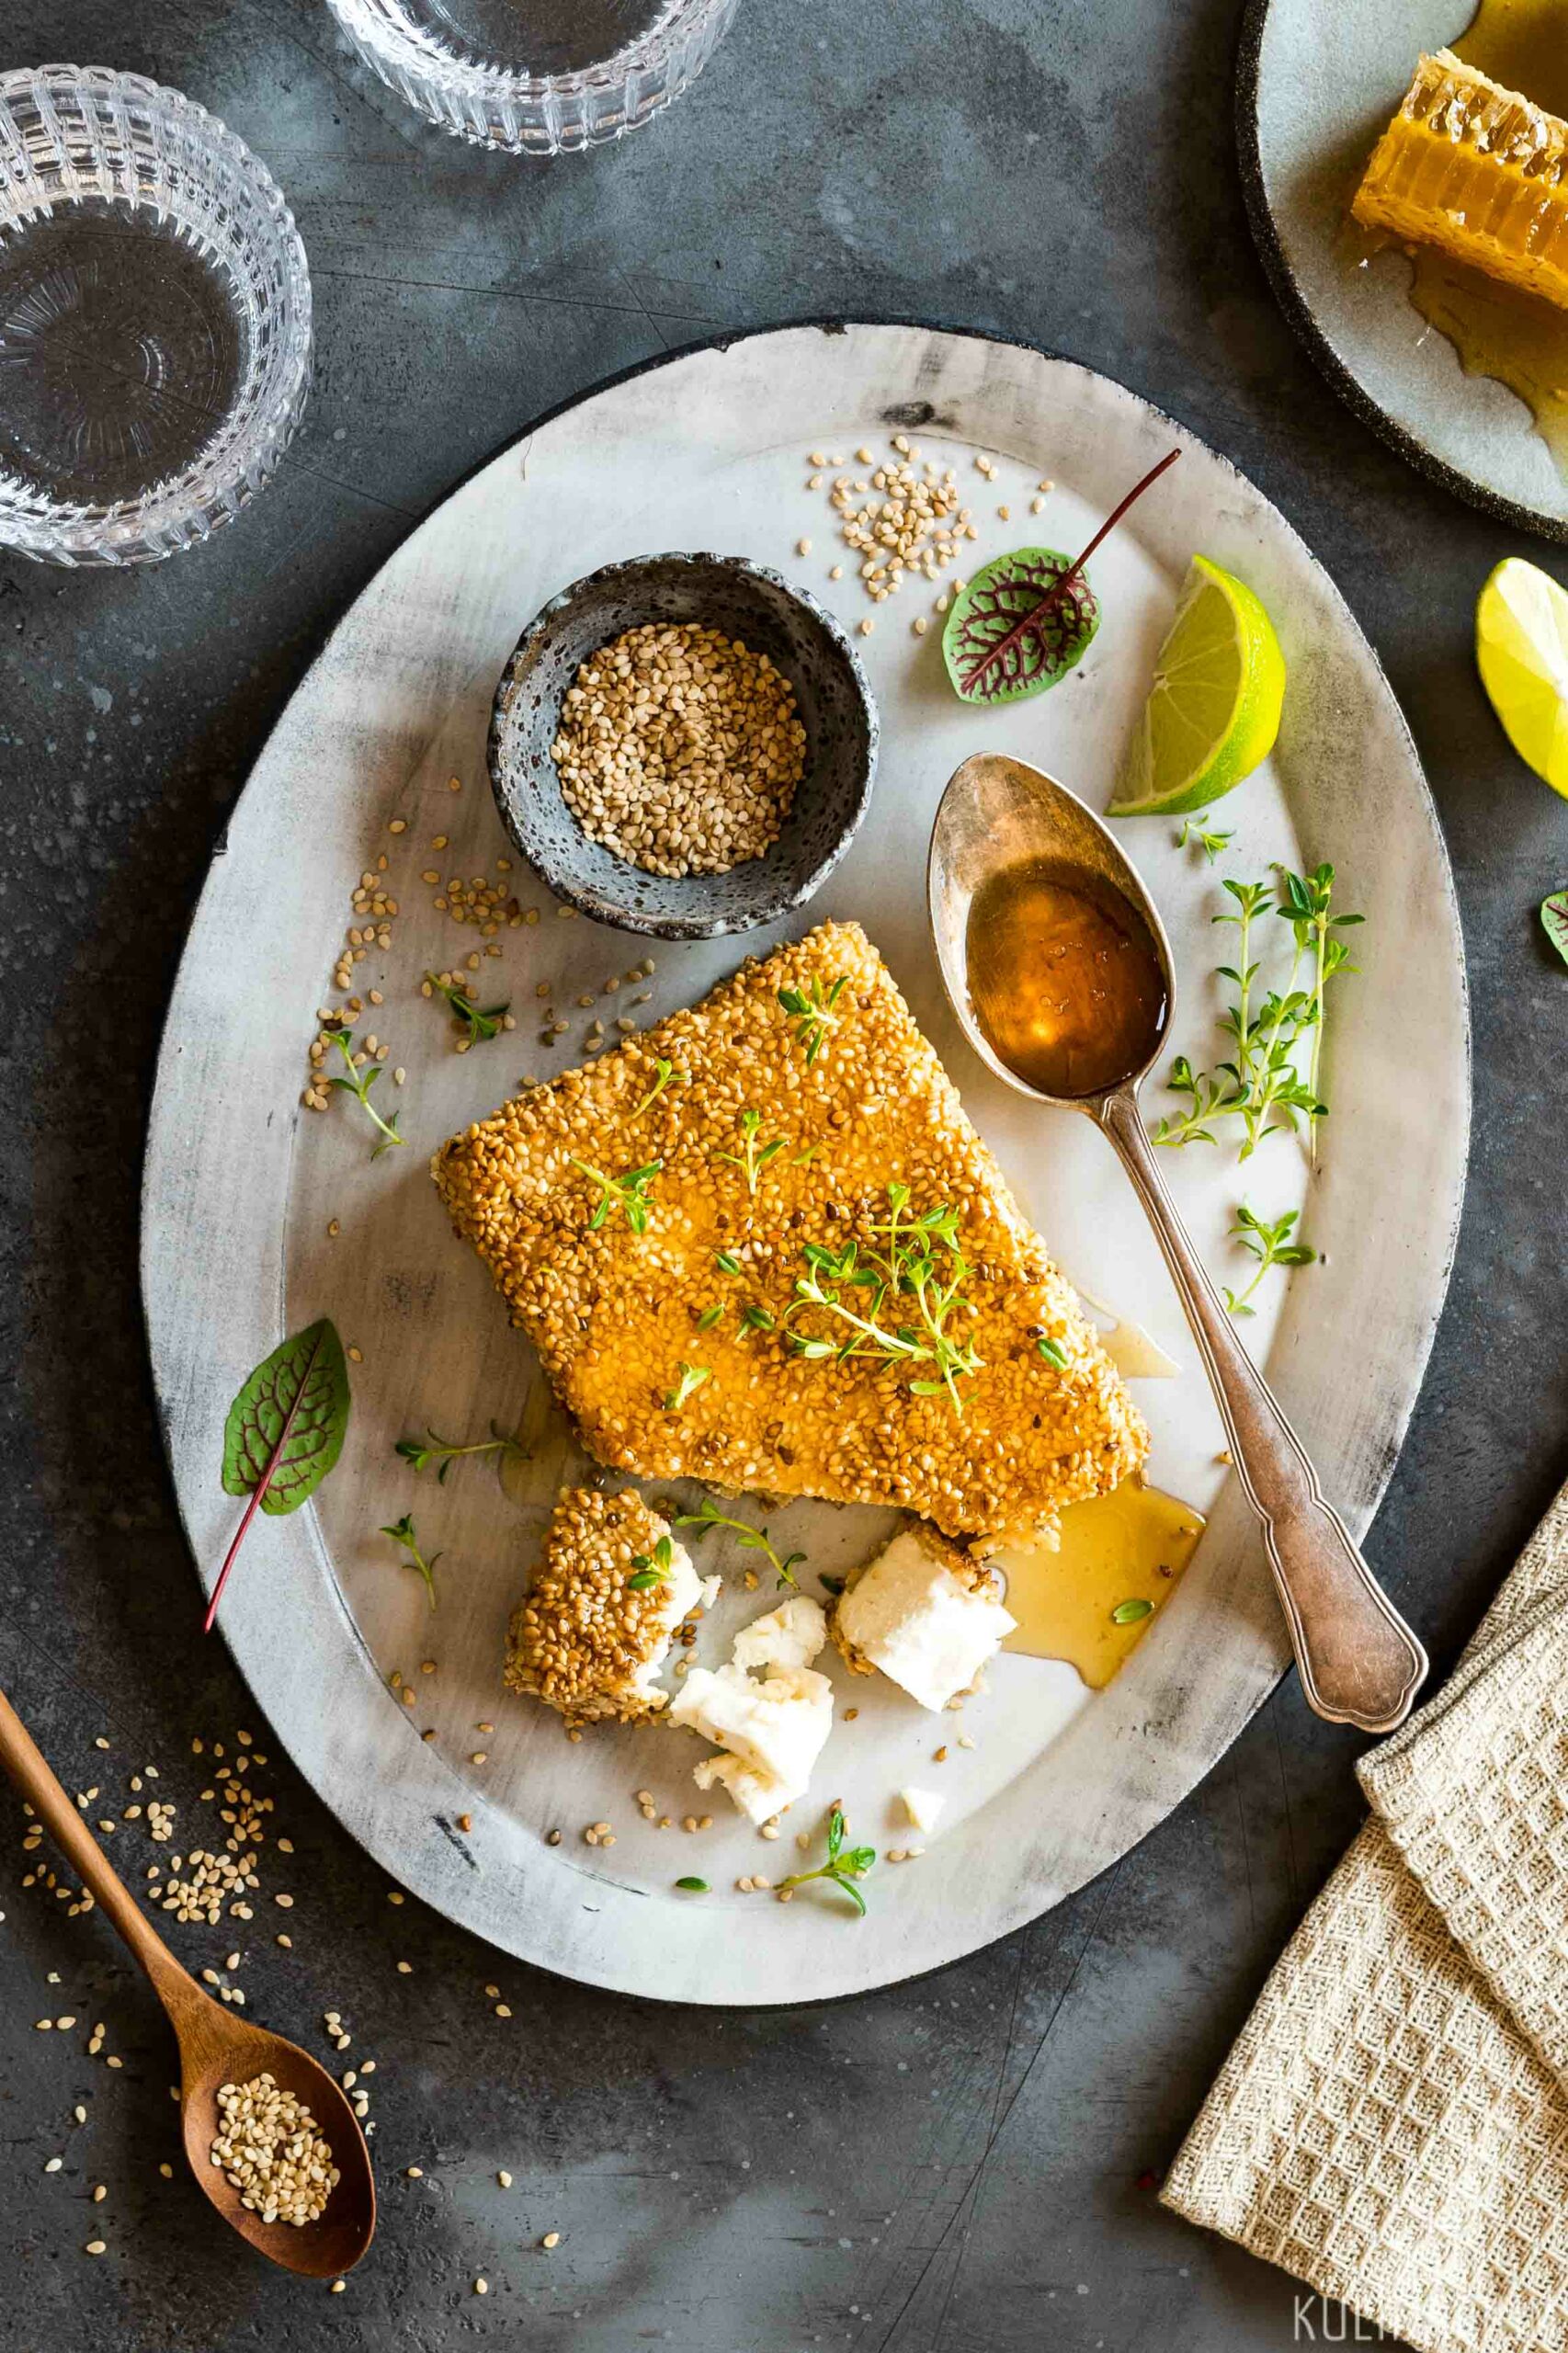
<point>790,1635</point>
<point>923,1807</point>
<point>774,1726</point>
<point>925,1621</point>
<point>587,1640</point>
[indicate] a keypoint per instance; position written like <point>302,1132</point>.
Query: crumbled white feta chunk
<point>923,1807</point>
<point>677,1595</point>
<point>758,1795</point>
<point>927,1628</point>
<point>776,1727</point>
<point>790,1635</point>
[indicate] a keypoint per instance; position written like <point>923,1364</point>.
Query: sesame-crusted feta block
<point>775,1726</point>
<point>923,1807</point>
<point>790,1635</point>
<point>929,1622</point>
<point>613,1291</point>
<point>611,1587</point>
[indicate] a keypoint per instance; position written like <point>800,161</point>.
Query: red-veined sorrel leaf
<point>1019,625</point>
<point>284,1431</point>
<point>1024,620</point>
<point>1554,918</point>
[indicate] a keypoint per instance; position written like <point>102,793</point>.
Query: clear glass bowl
<point>154,318</point>
<point>540,77</point>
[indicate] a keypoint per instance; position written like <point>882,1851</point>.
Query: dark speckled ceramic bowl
<point>831,693</point>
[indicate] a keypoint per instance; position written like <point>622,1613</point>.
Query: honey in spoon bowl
<point>1065,978</point>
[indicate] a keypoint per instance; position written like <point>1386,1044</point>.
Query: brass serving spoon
<point>1359,1661</point>
<point>215,2047</point>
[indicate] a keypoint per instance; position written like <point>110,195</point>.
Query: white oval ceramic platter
<point>707,450</point>
<point>1318,80</point>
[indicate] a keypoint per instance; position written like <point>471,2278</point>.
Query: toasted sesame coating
<point>583,1639</point>
<point>623,1318</point>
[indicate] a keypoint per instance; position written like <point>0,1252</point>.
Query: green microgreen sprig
<point>649,1569</point>
<point>479,1023</point>
<point>359,1084</point>
<point>1053,1352</point>
<point>1271,1244</point>
<point>1261,1085</point>
<point>664,1074</point>
<point>404,1532</point>
<point>845,1865</point>
<point>690,1379</point>
<point>810,1012</point>
<point>751,1540</point>
<point>417,1452</point>
<point>1194,830</point>
<point>629,1191</point>
<point>918,1259</point>
<point>752,1157</point>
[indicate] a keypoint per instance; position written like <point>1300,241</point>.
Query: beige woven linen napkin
<point>1393,2124</point>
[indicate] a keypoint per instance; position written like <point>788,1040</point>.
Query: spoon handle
<point>27,1765</point>
<point>1359,1661</point>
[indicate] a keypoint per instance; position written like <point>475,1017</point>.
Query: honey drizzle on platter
<point>1130,1546</point>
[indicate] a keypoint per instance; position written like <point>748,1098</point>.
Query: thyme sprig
<point>1193,829</point>
<point>845,1865</point>
<point>810,1012</point>
<point>359,1084</point>
<point>664,1074</point>
<point>417,1452</point>
<point>752,1157</point>
<point>629,1191</point>
<point>918,1259</point>
<point>649,1569</point>
<point>404,1532</point>
<point>751,1540</point>
<point>1271,1244</point>
<point>480,1023</point>
<point>1262,1084</point>
<point>690,1380</point>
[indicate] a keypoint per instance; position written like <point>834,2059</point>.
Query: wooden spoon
<point>216,2047</point>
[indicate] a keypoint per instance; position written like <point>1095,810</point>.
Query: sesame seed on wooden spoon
<point>223,2060</point>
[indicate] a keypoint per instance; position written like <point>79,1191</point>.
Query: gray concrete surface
<point>961,2165</point>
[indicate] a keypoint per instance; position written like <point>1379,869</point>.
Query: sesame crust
<point>582,1633</point>
<point>614,1314</point>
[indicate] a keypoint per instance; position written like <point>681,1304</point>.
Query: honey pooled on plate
<point>1065,981</point>
<point>1083,1601</point>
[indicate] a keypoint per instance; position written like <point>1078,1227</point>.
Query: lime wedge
<point>1521,649</point>
<point>1213,709</point>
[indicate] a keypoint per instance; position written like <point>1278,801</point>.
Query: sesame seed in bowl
<point>683,745</point>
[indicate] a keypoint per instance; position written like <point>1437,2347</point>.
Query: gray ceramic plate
<point>242,1185</point>
<point>1318,79</point>
<point>773,616</point>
